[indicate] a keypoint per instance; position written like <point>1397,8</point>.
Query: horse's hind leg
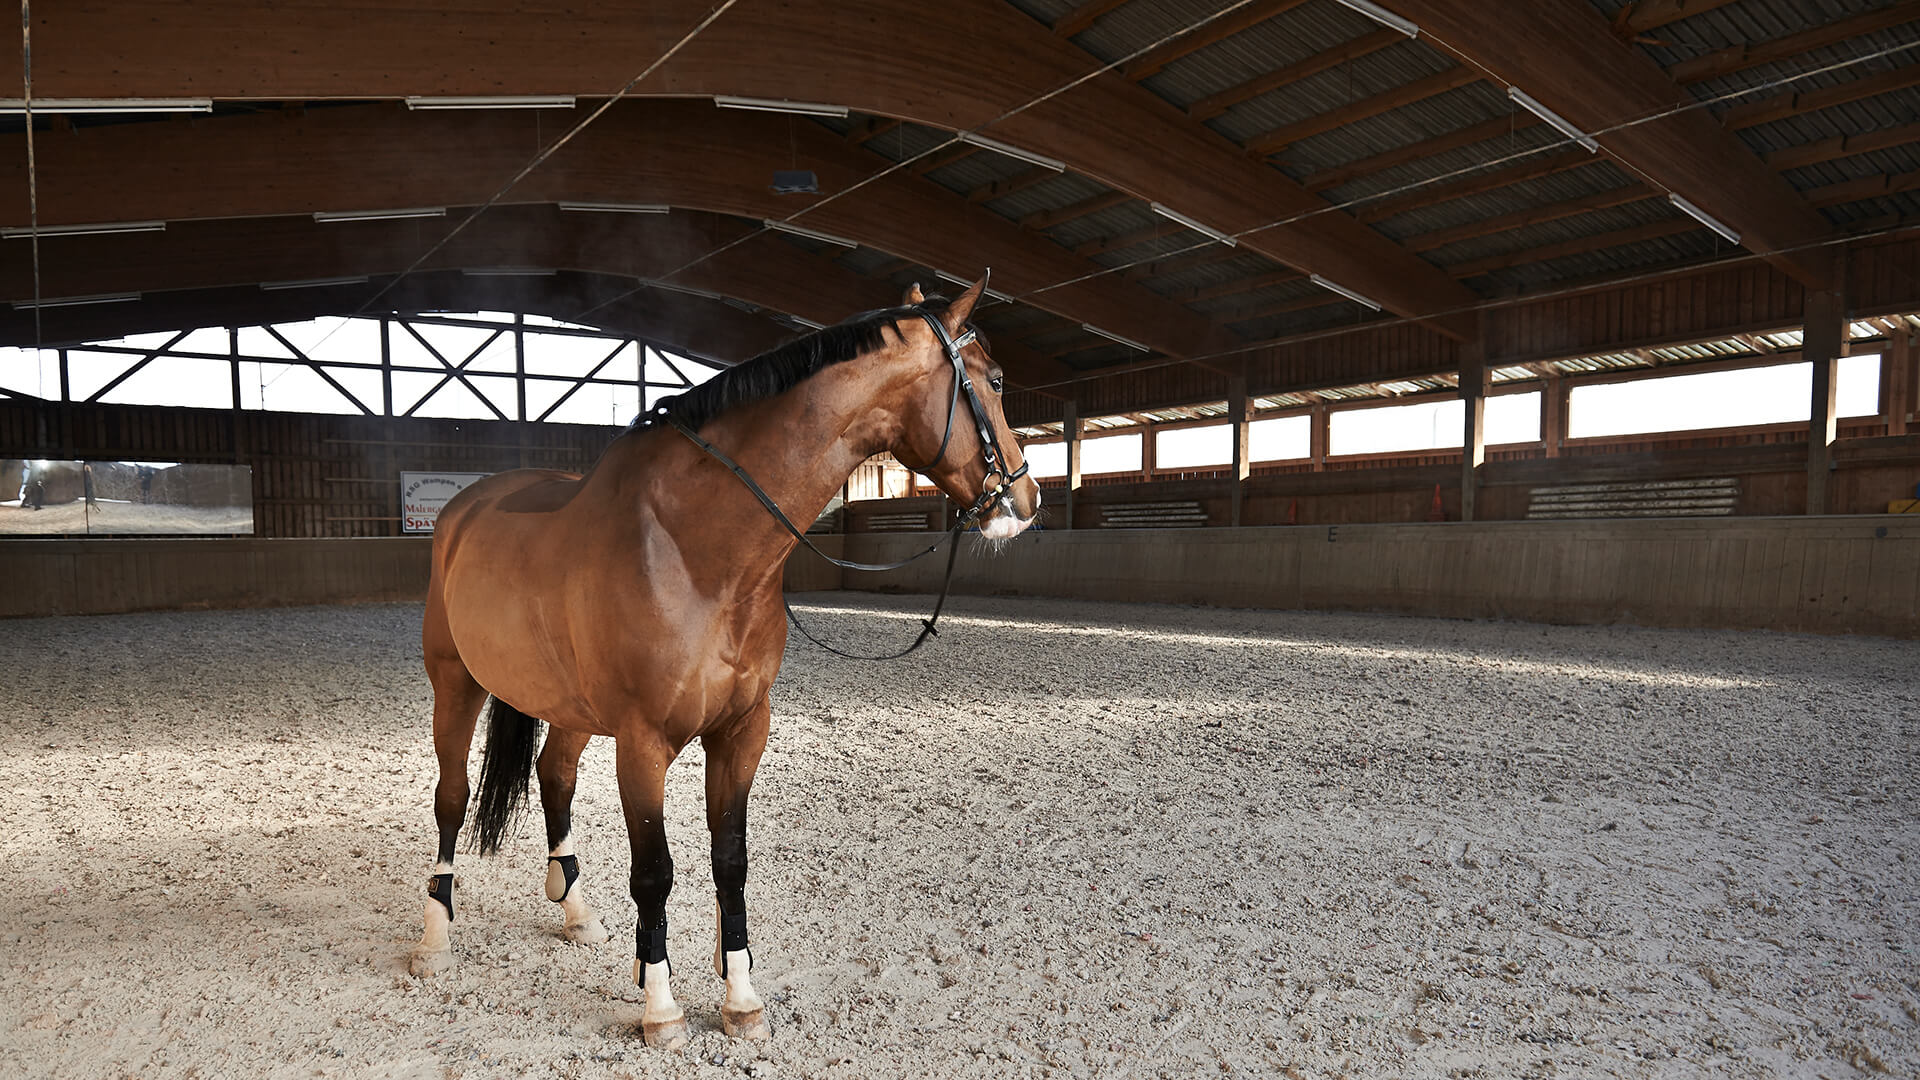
<point>733,756</point>
<point>559,761</point>
<point>456,708</point>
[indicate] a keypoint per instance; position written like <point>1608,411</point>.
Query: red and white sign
<point>423,494</point>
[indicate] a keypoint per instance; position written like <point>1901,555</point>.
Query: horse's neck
<point>800,447</point>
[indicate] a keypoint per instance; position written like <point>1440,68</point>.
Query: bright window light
<point>1513,418</point>
<point>1781,394</point>
<point>1046,460</point>
<point>1426,425</point>
<point>1283,438</point>
<point>1110,454</point>
<point>1194,447</point>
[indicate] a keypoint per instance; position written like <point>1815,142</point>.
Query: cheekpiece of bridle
<point>995,487</point>
<point>998,483</point>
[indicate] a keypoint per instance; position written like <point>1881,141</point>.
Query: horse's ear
<point>914,296</point>
<point>962,309</point>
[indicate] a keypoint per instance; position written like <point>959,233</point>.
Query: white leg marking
<point>742,1015</point>
<point>664,1024</point>
<point>579,924</point>
<point>434,954</point>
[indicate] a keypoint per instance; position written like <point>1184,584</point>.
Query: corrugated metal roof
<point>1062,190</point>
<point>1362,78</point>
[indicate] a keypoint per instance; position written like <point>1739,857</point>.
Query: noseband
<point>992,492</point>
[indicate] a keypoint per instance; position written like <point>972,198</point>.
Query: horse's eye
<point>997,383</point>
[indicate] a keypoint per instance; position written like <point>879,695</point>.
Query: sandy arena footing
<point>1066,839</point>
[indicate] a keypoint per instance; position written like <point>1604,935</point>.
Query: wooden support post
<point>1317,423</point>
<point>1473,442</point>
<point>1823,343</point>
<point>1897,379</point>
<point>1149,459</point>
<point>1553,415</point>
<point>1237,420</point>
<point>1070,430</point>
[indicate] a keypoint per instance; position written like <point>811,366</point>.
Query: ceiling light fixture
<point>1175,215</point>
<point>108,105</point>
<point>797,108</point>
<point>379,215</point>
<point>1704,218</point>
<point>615,208</point>
<point>74,301</point>
<point>1565,127</point>
<point>808,323</point>
<point>312,283</point>
<point>508,102</point>
<point>1384,17</point>
<point>1012,151</point>
<point>811,234</point>
<point>1344,291</point>
<point>101,229</point>
<point>1128,342</point>
<point>508,271</point>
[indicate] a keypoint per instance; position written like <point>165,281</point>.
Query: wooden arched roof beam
<point>767,271</point>
<point>691,325</point>
<point>1564,53</point>
<point>682,153</point>
<point>956,66</point>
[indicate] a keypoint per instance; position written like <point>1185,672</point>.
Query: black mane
<point>781,369</point>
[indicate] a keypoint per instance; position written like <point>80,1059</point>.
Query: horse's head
<point>956,426</point>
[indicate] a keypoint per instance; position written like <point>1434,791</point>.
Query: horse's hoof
<point>586,933</point>
<point>751,1026</point>
<point>665,1034</point>
<point>426,963</point>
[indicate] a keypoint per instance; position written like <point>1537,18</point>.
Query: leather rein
<point>992,492</point>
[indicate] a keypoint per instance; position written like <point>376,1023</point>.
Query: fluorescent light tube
<point>999,147</point>
<point>1346,292</point>
<point>508,271</point>
<point>509,102</point>
<point>615,207</point>
<point>108,105</point>
<point>787,227</point>
<point>688,289</point>
<point>379,215</point>
<point>808,323</point>
<point>74,301</point>
<point>100,229</point>
<point>1128,342</point>
<point>1384,17</point>
<point>956,279</point>
<point>1704,218</point>
<point>1175,215</point>
<point>798,108</point>
<point>312,283</point>
<point>1565,127</point>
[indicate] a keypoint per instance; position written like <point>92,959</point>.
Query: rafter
<point>1418,90</point>
<point>1214,104</point>
<point>1439,144</point>
<point>1644,15</point>
<point>1840,146</point>
<point>1020,181</point>
<point>1536,215</point>
<point>1218,30</point>
<point>1529,168</point>
<point>1250,283</point>
<point>1119,241</point>
<point>1782,106</point>
<point>1580,246</point>
<point>1093,204</point>
<point>1084,16</point>
<point>1747,55</point>
<point>1866,187</point>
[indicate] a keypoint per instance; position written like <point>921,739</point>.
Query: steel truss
<point>449,369</point>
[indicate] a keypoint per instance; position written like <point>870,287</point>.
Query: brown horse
<point>643,601</point>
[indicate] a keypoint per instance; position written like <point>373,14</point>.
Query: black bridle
<point>992,492</point>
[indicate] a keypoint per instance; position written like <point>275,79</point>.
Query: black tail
<point>513,738</point>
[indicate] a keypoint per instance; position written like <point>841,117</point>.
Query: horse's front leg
<point>559,762</point>
<point>733,755</point>
<point>642,759</point>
